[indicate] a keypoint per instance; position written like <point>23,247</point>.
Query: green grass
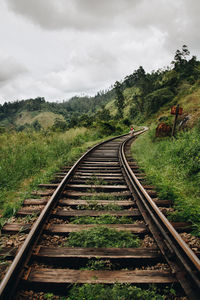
<point>114,292</point>
<point>93,205</point>
<point>101,196</point>
<point>98,264</point>
<point>28,158</point>
<point>173,166</point>
<point>104,219</point>
<point>102,237</point>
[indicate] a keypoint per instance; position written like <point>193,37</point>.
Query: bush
<point>106,128</point>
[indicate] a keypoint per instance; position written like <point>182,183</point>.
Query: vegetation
<point>99,264</point>
<point>101,196</point>
<point>173,165</point>
<point>104,219</point>
<point>29,157</point>
<point>119,101</point>
<point>116,291</point>
<point>102,237</point>
<point>78,111</point>
<point>93,205</point>
<point>113,292</point>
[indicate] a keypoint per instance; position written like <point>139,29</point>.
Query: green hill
<point>45,119</point>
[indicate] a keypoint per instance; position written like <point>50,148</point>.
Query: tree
<point>85,120</point>
<point>59,125</point>
<point>156,99</point>
<point>138,99</point>
<point>119,100</point>
<point>103,115</point>
<point>36,125</point>
<point>180,58</point>
<point>187,69</point>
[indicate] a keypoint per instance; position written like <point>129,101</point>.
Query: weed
<point>93,205</point>
<point>10,209</point>
<point>98,264</point>
<point>2,222</point>
<point>49,296</point>
<point>102,237</point>
<point>104,219</point>
<point>101,196</point>
<point>116,291</point>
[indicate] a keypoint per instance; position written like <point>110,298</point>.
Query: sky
<point>61,48</point>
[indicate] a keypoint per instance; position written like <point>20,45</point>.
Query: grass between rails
<point>29,158</point>
<point>101,196</point>
<point>99,264</point>
<point>104,219</point>
<point>115,292</point>
<point>93,205</point>
<point>173,166</point>
<point>102,237</point>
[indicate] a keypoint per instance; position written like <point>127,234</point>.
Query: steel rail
<point>9,282</point>
<point>188,263</point>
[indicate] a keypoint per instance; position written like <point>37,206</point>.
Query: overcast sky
<point>60,48</point>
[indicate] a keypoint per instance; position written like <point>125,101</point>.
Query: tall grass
<point>173,165</point>
<point>27,157</point>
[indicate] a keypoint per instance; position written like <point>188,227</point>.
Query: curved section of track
<point>100,178</point>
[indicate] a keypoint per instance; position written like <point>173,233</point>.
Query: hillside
<point>26,112</point>
<point>189,100</point>
<point>141,98</point>
<point>46,119</point>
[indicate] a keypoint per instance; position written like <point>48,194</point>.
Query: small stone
<point>9,243</point>
<point>195,249</point>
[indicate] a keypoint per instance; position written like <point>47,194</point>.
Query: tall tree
<point>119,100</point>
<point>180,58</point>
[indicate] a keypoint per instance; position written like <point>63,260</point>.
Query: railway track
<point>104,183</point>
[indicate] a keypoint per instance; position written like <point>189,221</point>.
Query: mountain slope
<point>45,119</point>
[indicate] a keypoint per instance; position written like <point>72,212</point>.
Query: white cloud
<point>82,46</point>
<point>10,69</point>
